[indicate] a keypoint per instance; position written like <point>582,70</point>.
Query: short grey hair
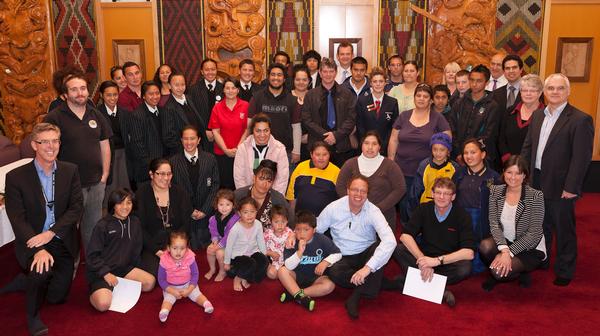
<point>532,81</point>
<point>558,75</point>
<point>43,127</point>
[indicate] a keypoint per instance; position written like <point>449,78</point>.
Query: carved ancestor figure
<point>461,31</point>
<point>232,30</point>
<point>24,65</point>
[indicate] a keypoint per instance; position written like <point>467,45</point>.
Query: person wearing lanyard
<point>43,212</point>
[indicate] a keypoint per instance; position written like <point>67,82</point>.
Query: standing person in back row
<point>558,147</point>
<point>85,142</point>
<point>329,114</point>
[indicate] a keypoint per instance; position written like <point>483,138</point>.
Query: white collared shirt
<point>357,90</point>
<point>112,113</point>
<point>342,74</point>
<point>314,79</point>
<point>180,101</point>
<point>500,82</point>
<point>153,110</point>
<point>213,83</point>
<point>246,86</point>
<point>547,125</point>
<point>189,157</point>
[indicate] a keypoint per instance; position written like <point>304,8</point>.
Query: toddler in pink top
<point>178,275</point>
<point>275,238</point>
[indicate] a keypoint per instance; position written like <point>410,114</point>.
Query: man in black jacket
<point>44,203</point>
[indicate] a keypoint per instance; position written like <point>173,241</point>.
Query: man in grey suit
<point>559,148</point>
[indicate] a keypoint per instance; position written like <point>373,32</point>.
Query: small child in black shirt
<point>302,275</point>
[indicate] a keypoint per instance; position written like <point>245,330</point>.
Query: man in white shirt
<point>345,53</point>
<point>497,80</point>
<point>365,239</point>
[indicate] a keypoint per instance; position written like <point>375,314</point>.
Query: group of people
<point>299,178</point>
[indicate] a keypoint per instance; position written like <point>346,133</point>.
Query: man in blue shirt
<point>44,202</point>
<point>360,231</point>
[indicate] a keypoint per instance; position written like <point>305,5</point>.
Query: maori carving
<point>233,30</point>
<point>24,65</point>
<point>461,31</point>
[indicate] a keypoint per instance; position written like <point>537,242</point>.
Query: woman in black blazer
<point>162,208</point>
<point>516,213</point>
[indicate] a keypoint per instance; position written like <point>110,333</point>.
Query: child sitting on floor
<point>245,258</point>
<point>178,275</point>
<point>303,275</point>
<point>275,238</point>
<point>219,226</point>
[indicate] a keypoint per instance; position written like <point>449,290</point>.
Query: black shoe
<point>489,284</point>
<point>36,326</point>
<point>17,284</point>
<point>352,306</point>
<point>562,282</point>
<point>449,298</point>
<point>307,302</point>
<point>285,297</point>
<point>525,280</point>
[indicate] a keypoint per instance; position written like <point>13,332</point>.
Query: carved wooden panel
<point>25,64</point>
<point>234,30</point>
<point>461,31</point>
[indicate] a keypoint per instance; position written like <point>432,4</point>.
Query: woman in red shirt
<point>228,122</point>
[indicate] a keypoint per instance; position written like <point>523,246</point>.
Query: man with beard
<point>283,110</point>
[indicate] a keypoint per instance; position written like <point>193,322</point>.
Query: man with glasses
<point>44,203</point>
<point>365,239</point>
<point>446,244</point>
<point>85,142</point>
<point>558,147</point>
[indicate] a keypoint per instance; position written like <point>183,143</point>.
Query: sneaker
<point>208,307</point>
<point>307,302</point>
<point>285,297</point>
<point>163,315</point>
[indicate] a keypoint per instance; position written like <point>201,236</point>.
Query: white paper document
<point>125,295</point>
<point>429,291</point>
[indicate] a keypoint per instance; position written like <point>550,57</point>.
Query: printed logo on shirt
<point>312,260</point>
<point>481,110</point>
<point>208,182</point>
<point>388,116</point>
<point>451,229</point>
<point>112,231</point>
<point>242,115</point>
<point>93,123</point>
<point>274,108</point>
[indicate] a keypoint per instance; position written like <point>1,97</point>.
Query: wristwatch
<point>441,259</point>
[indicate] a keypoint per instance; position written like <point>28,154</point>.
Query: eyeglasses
<point>443,194</point>
<point>164,174</point>
<point>47,142</point>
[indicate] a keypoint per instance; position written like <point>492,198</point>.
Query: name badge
<point>93,123</point>
<point>218,98</point>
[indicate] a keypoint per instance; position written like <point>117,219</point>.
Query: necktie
<point>345,75</point>
<point>247,87</point>
<point>193,160</point>
<point>210,87</point>
<point>495,83</point>
<point>330,111</point>
<point>377,108</point>
<point>511,96</point>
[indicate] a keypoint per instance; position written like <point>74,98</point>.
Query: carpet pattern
<point>402,31</point>
<point>180,32</point>
<point>290,28</point>
<point>542,309</point>
<point>75,37</point>
<point>519,30</point>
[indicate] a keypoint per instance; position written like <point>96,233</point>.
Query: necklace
<point>164,214</point>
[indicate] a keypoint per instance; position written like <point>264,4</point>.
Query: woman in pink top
<point>228,122</point>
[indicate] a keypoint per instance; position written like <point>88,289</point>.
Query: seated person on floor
<point>303,275</point>
<point>115,250</point>
<point>446,244</point>
<point>275,238</point>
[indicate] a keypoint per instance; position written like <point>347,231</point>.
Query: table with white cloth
<point>6,232</point>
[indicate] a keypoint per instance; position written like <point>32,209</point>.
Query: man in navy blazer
<point>44,203</point>
<point>559,148</point>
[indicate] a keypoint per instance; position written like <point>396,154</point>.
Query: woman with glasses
<point>261,190</point>
<point>514,126</point>
<point>409,141</point>
<point>260,145</point>
<point>161,208</point>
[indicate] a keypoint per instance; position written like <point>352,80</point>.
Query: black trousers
<point>523,262</point>
<point>455,272</point>
<point>225,164</point>
<point>559,220</point>
<point>341,272</point>
<point>253,268</point>
<point>53,285</point>
<point>150,262</point>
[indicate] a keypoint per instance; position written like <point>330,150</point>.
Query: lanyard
<point>50,204</point>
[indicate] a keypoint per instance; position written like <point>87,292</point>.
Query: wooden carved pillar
<point>234,30</point>
<point>461,31</point>
<point>26,64</point>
